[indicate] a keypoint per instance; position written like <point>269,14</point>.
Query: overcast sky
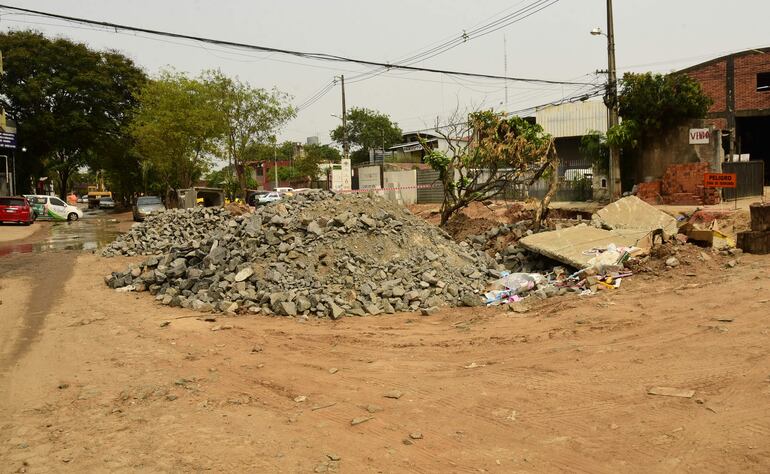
<point>656,35</point>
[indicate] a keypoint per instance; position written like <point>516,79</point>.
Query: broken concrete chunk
<point>631,213</point>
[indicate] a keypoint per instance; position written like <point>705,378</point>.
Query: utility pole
<point>612,104</point>
<point>345,146</point>
<point>275,163</point>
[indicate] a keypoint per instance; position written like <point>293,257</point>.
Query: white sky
<point>657,35</point>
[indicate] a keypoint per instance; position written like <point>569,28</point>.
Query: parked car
<point>51,207</point>
<point>106,203</point>
<point>16,209</point>
<point>253,196</point>
<point>147,205</point>
<point>83,199</point>
<point>284,190</point>
<point>269,197</point>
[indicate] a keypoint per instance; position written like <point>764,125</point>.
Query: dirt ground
<point>92,380</point>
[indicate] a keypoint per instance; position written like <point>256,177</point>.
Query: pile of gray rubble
<point>320,254</point>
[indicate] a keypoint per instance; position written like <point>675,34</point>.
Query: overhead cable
<point>306,55</point>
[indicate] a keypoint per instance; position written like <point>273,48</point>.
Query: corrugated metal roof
<point>573,119</point>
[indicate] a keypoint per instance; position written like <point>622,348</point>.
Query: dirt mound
<point>460,226</point>
<point>314,254</point>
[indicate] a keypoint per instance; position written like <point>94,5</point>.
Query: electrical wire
<point>503,22</point>
<point>269,49</point>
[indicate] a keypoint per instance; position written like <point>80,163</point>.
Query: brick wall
<point>713,77</point>
<point>746,95</point>
<point>712,81</point>
<point>681,185</point>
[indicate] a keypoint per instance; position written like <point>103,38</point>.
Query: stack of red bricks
<point>649,192</point>
<point>681,185</point>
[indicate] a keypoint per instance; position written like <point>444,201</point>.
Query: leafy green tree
<point>308,163</point>
<point>71,103</point>
<point>176,128</point>
<point>500,152</point>
<point>366,130</point>
<point>593,145</point>
<point>652,103</point>
<point>249,116</point>
<point>269,152</point>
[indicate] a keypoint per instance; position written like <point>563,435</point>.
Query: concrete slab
<point>631,213</point>
<point>570,245</point>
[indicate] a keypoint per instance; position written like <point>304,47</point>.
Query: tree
<point>487,154</point>
<point>308,164</point>
<point>593,145</point>
<point>367,130</point>
<point>652,103</point>
<point>176,129</point>
<point>71,103</point>
<point>249,116</point>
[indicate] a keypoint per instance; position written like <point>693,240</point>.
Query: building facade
<point>739,86</point>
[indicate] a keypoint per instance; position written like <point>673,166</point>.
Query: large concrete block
<point>631,213</point>
<point>572,245</point>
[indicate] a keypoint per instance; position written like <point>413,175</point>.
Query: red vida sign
<point>700,136</point>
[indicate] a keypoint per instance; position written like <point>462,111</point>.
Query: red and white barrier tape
<point>372,190</point>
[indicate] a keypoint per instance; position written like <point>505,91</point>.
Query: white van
<point>51,207</point>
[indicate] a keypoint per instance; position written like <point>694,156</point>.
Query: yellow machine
<point>95,193</point>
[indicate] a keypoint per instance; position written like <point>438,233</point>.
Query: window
<point>604,183</point>
<point>763,82</point>
<point>12,202</point>
<point>56,202</point>
<point>146,200</point>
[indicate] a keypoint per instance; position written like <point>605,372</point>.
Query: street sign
<point>7,140</point>
<point>720,180</point>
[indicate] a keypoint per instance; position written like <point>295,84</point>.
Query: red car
<point>16,209</point>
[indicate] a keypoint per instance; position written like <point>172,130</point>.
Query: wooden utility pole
<point>612,104</point>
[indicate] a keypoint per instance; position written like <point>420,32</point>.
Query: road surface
<point>92,380</point>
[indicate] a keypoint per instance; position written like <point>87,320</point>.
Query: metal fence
<point>750,179</point>
<point>568,190</point>
<point>432,194</point>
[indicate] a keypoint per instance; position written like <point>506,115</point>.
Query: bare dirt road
<point>92,380</point>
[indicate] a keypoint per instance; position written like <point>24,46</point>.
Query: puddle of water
<point>90,233</point>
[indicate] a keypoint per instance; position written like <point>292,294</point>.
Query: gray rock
<point>287,308</point>
<point>470,300</point>
<point>335,312</point>
<point>244,274</point>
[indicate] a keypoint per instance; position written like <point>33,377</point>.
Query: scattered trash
<point>359,420</point>
<point>473,365</point>
<point>671,392</point>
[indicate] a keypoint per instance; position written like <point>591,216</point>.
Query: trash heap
<point>606,270</point>
<point>318,253</point>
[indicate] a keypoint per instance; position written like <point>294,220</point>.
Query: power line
<point>306,55</point>
<point>466,36</point>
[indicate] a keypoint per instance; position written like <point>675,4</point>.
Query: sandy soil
<point>12,232</point>
<point>92,381</point>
